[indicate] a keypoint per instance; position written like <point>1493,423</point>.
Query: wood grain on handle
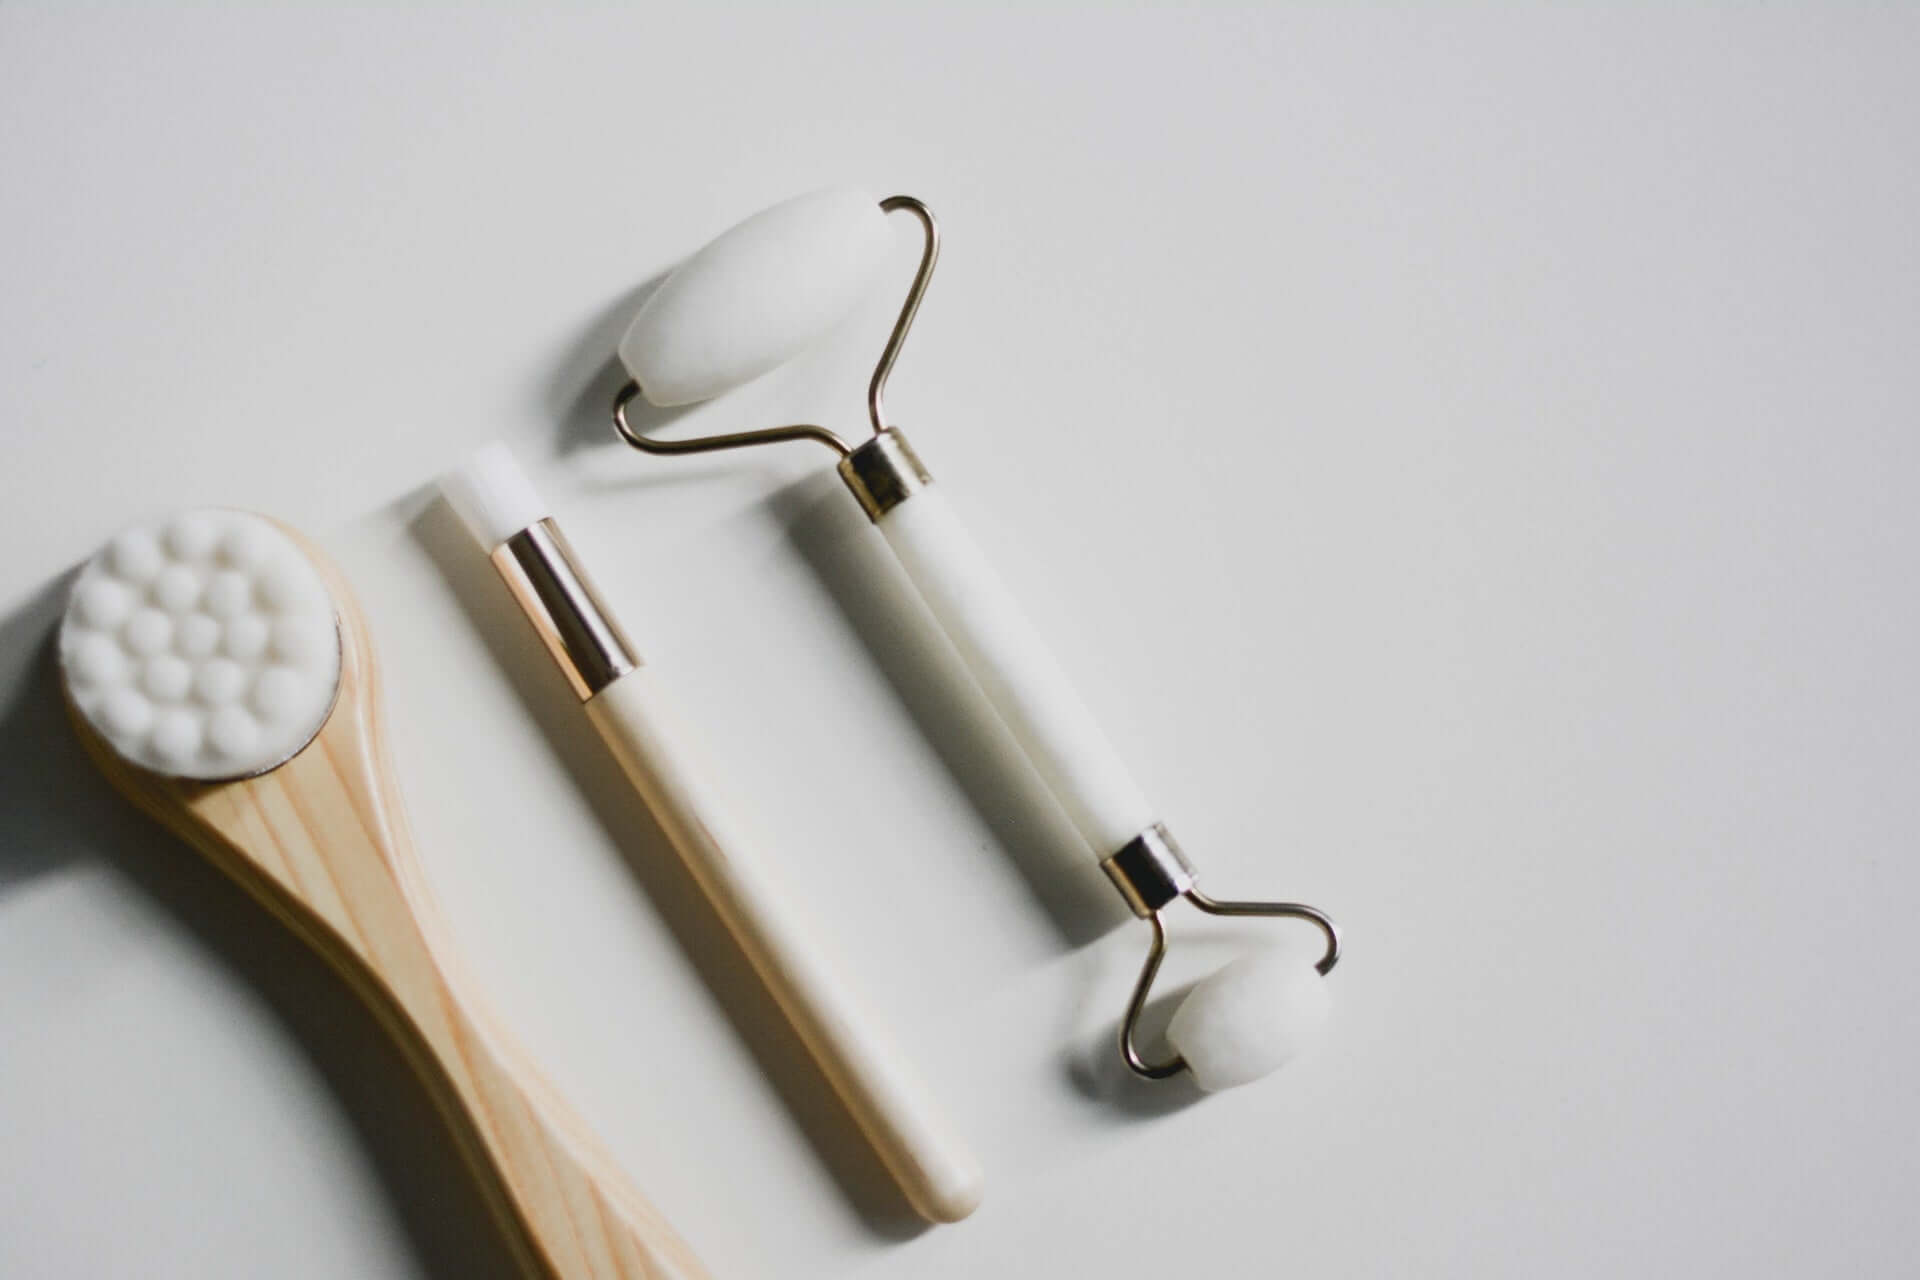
<point>323,842</point>
<point>925,1156</point>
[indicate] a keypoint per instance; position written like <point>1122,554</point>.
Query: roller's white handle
<point>1017,672</point>
<point>925,1156</point>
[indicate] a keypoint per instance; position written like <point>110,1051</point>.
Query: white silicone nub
<point>202,646</point>
<point>1253,1016</point>
<point>756,296</point>
<point>1017,672</point>
<point>493,496</point>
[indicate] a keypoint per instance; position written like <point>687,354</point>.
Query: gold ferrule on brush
<point>559,598</point>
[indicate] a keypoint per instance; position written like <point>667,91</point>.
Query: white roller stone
<point>224,693</point>
<point>1251,1017</point>
<point>756,296</point>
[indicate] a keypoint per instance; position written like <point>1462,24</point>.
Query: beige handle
<point>926,1157</point>
<point>321,841</point>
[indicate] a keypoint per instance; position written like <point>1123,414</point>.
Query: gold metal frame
<point>1151,873</point>
<point>883,471</point>
<point>876,388</point>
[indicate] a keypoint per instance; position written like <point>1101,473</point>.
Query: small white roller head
<point>757,296</point>
<point>493,496</point>
<point>202,646</point>
<point>1253,1016</point>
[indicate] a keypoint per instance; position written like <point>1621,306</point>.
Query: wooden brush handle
<point>321,840</point>
<point>921,1150</point>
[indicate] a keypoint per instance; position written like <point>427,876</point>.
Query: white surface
<point>203,645</point>
<point>492,495</point>
<point>1018,672</point>
<point>1497,523</point>
<point>756,295</point>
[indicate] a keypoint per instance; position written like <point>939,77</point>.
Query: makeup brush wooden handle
<point>321,840</point>
<point>926,1157</point>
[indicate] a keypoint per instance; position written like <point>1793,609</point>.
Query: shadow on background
<point>834,536</point>
<point>677,898</point>
<point>57,812</point>
<point>580,395</point>
<point>1092,1063</point>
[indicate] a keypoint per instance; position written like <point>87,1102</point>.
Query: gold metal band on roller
<point>884,472</point>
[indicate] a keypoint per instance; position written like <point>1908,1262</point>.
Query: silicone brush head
<point>205,645</point>
<point>756,296</point>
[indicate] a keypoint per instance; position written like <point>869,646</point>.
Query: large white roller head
<point>756,296</point>
<point>202,646</point>
<point>1251,1017</point>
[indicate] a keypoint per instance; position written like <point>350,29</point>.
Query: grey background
<point>1467,455</point>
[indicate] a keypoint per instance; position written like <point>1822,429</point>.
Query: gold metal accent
<point>876,388</point>
<point>560,601</point>
<point>713,444</point>
<point>922,276</point>
<point>1151,872</point>
<point>884,472</point>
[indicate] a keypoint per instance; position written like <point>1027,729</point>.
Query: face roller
<point>755,297</point>
<point>220,675</point>
<point>626,703</point>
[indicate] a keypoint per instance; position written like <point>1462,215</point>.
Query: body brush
<point>221,676</point>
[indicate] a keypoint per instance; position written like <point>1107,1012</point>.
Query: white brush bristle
<point>493,496</point>
<point>1252,1017</point>
<point>202,646</point>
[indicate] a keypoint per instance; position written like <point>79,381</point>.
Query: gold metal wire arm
<point>929,258</point>
<point>1141,1067</point>
<point>1143,987</point>
<point>876,389</point>
<point>1295,910</point>
<point>710,444</point>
